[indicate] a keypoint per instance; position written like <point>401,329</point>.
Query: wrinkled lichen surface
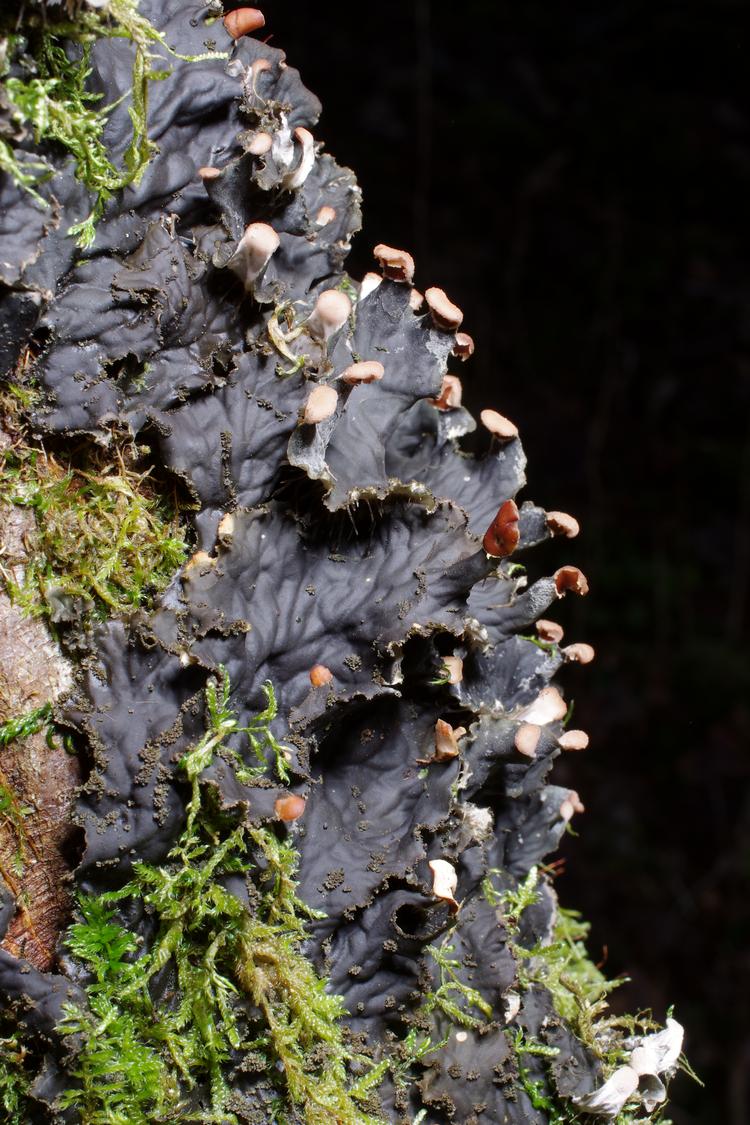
<point>341,688</point>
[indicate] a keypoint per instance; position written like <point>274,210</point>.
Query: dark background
<point>577,176</point>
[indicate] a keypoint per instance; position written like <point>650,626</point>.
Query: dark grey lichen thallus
<point>316,421</point>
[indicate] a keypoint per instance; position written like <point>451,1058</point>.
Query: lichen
<point>195,975</point>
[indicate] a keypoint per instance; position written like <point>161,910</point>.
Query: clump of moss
<point>52,100</point>
<point>559,1112</point>
<point>579,990</point>
<point>537,1090</point>
<point>23,726</point>
<point>578,987</point>
<point>243,995</point>
<point>106,536</point>
<point>14,1079</point>
<point>12,816</point>
<point>453,996</point>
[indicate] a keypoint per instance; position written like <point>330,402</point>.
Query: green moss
<point>14,1080</point>
<point>12,816</point>
<point>23,726</point>
<point>263,742</point>
<point>578,987</point>
<point>26,173</point>
<point>453,997</point>
<point>242,992</point>
<point>52,99</point>
<point>106,536</point>
<point>514,900</point>
<point>538,1091</point>
<point>560,1112</point>
<point>579,991</point>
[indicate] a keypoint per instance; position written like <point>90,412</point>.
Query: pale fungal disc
<point>242,21</point>
<point>549,631</point>
<point>331,312</point>
<point>527,739</point>
<point>450,394</point>
<point>369,284</point>
<point>571,805</point>
<point>560,523</point>
<point>444,881</point>
<point>321,404</point>
<point>254,251</point>
<point>366,371</point>
<point>498,425</point>
<point>445,314</point>
<point>573,740</point>
<point>397,265</point>
<point>260,144</point>
<point>289,808</point>
<point>579,653</point>
<point>446,740</point>
<point>294,180</point>
<point>571,578</point>
<point>548,707</point>
<point>464,346</point>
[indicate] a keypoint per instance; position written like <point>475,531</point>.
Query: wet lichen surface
<point>309,880</point>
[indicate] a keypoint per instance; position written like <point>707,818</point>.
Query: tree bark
<point>38,778</point>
